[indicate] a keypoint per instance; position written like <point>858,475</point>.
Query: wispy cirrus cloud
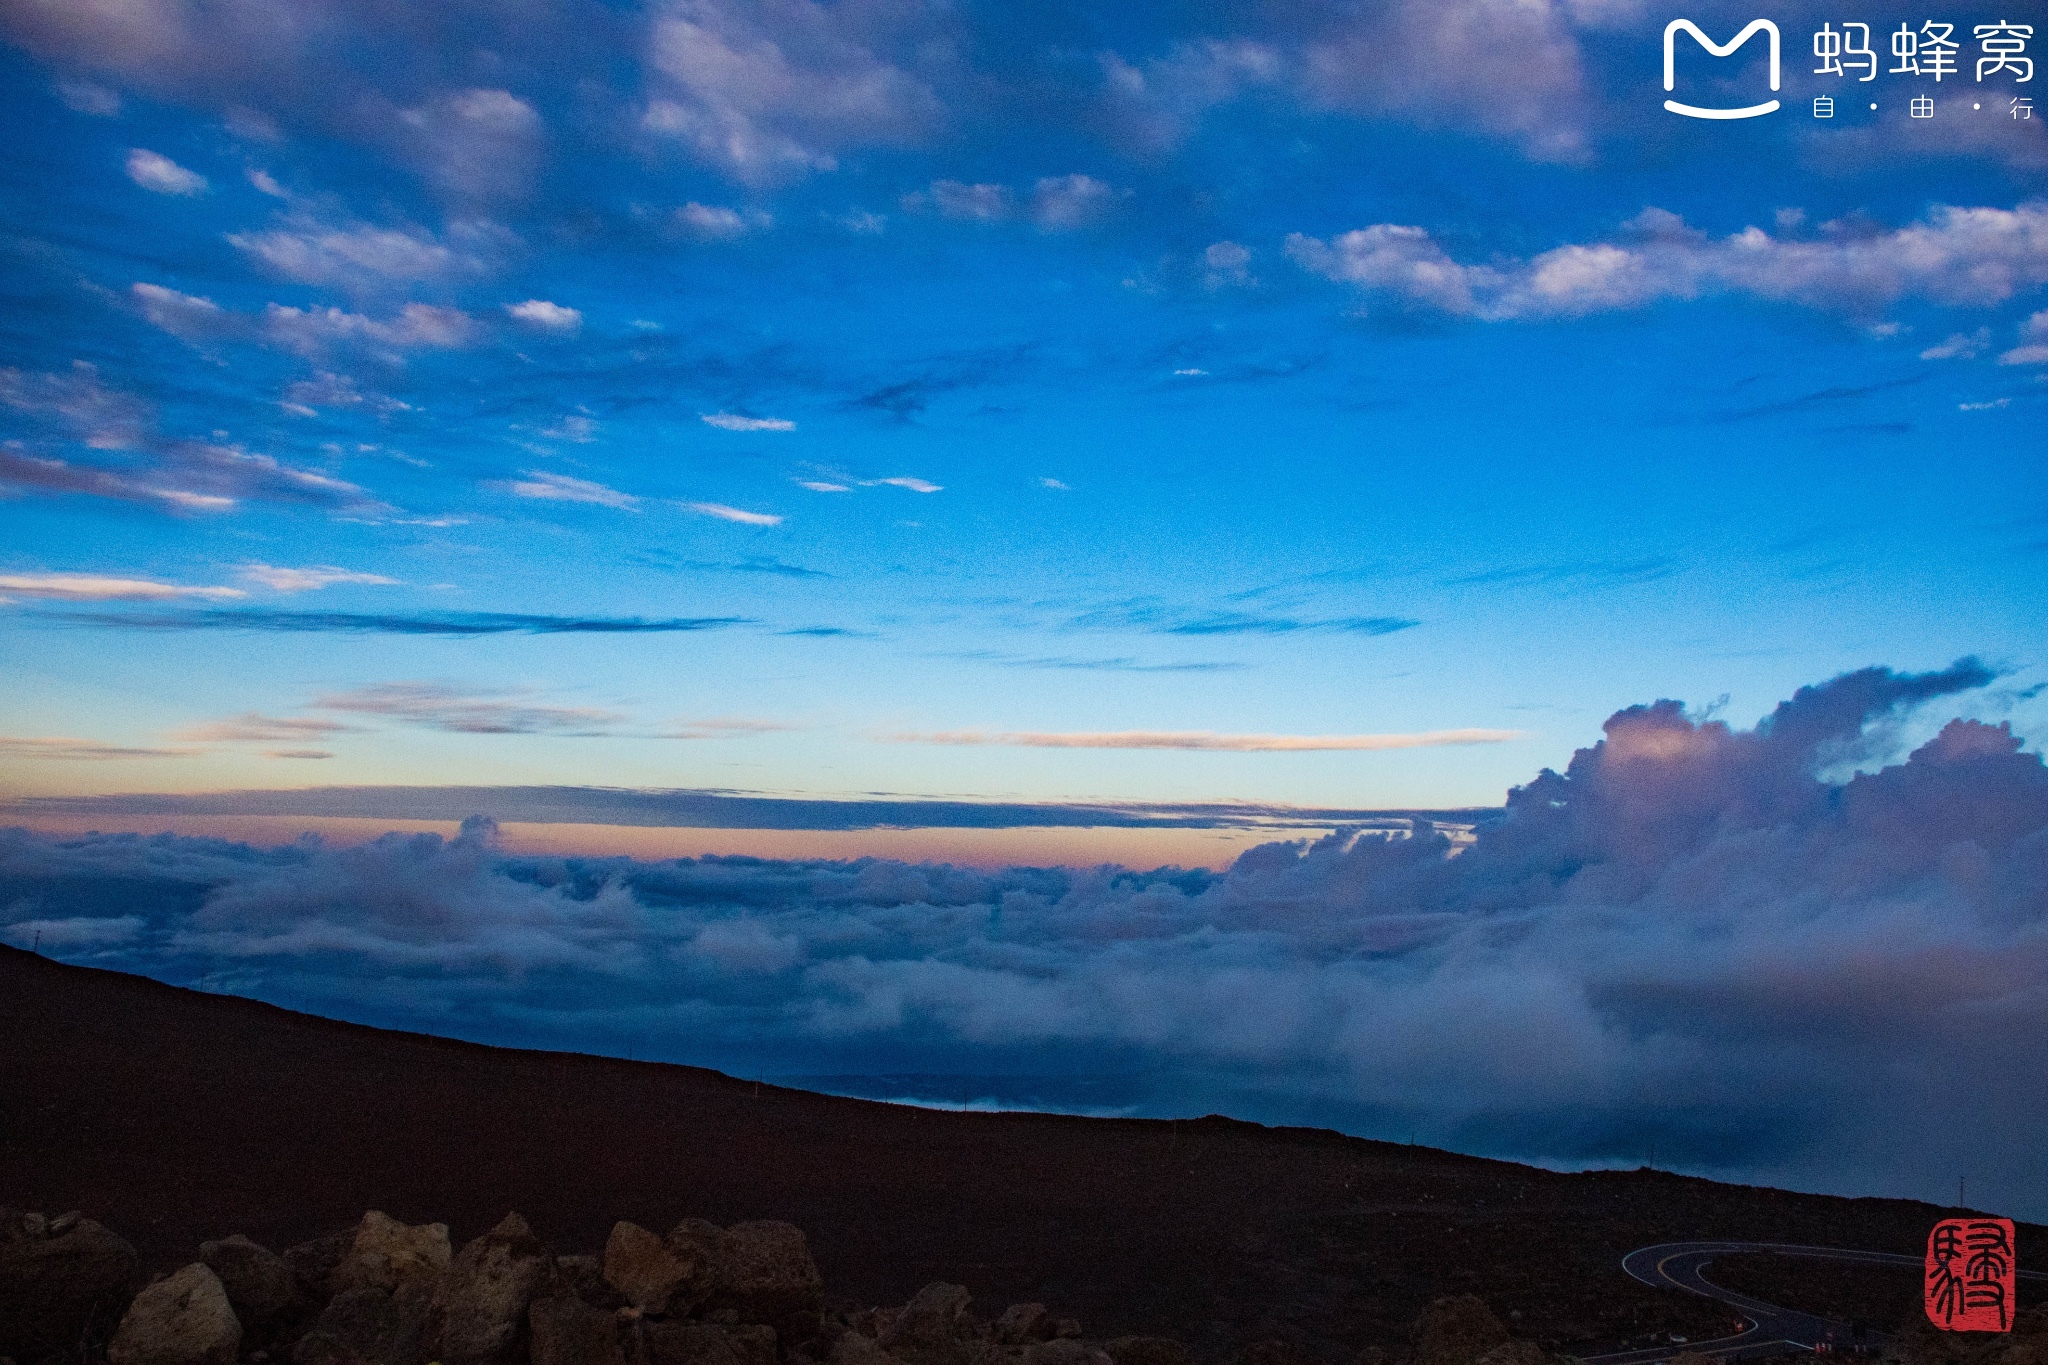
<point>309,579</point>
<point>1204,740</point>
<point>451,624</point>
<point>254,727</point>
<point>440,706</point>
<point>562,488</point>
<point>1152,614</point>
<point>81,587</point>
<point>734,421</point>
<point>722,512</point>
<point>79,750</point>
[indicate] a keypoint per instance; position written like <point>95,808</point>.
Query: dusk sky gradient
<point>1005,435</point>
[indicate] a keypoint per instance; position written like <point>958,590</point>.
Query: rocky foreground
<point>389,1293</point>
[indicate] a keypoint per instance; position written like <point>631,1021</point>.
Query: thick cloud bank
<point>1687,941</point>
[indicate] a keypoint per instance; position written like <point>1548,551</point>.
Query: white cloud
<point>1226,264</point>
<point>79,587</point>
<point>476,143</point>
<point>187,316</point>
<point>820,486</point>
<point>1207,740</point>
<point>974,203</point>
<point>159,173</point>
<point>1960,346</point>
<point>548,317</point>
<point>725,513</point>
<point>309,579</point>
<point>2034,335</point>
<point>906,481</point>
<point>1190,373</point>
<point>732,421</point>
<point>562,488</point>
<point>574,427</point>
<point>764,96</point>
<point>1956,256</point>
<point>311,252</point>
<point>1054,484</point>
<point>716,223</point>
<point>1064,203</point>
<point>860,221</point>
<point>267,183</point>
<point>313,332</point>
<point>83,97</point>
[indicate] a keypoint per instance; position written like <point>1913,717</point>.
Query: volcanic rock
<point>368,1327</point>
<point>483,1298</point>
<point>257,1281</point>
<point>929,1329</point>
<point>647,1270</point>
<point>567,1331</point>
<point>60,1285</point>
<point>1146,1351</point>
<point>183,1319</point>
<point>761,1270</point>
<point>1023,1322</point>
<point>1456,1331</point>
<point>390,1255</point>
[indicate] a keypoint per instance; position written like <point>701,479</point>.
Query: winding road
<point>1772,1330</point>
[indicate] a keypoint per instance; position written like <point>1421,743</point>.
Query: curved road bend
<point>1772,1330</point>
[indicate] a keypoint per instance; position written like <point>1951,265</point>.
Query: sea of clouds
<point>1690,944</point>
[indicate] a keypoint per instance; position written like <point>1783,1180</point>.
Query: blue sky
<point>968,372</point>
<point>931,456</point>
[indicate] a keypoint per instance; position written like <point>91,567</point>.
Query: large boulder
<point>62,1281</point>
<point>567,1331</point>
<point>932,1328</point>
<point>183,1319</point>
<point>482,1300</point>
<point>762,1271</point>
<point>1022,1323</point>
<point>700,1343</point>
<point>368,1327</point>
<point>257,1281</point>
<point>648,1271</point>
<point>1065,1351</point>
<point>1146,1351</point>
<point>1456,1331</point>
<point>312,1266</point>
<point>583,1276</point>
<point>390,1255</point>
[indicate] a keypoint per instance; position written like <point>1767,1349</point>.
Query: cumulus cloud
<point>1959,346</point>
<point>1207,740</point>
<point>84,97</point>
<point>319,332</point>
<point>1691,933</point>
<point>310,579</point>
<point>438,706</point>
<point>545,316</point>
<point>716,223</point>
<point>562,488</point>
<point>1969,257</point>
<point>975,203</point>
<point>186,316</point>
<point>2033,348</point>
<point>309,251</point>
<point>1226,264</point>
<point>478,144</point>
<point>1064,203</point>
<point>82,587</point>
<point>733,421</point>
<point>725,513</point>
<point>767,94</point>
<point>156,172</point>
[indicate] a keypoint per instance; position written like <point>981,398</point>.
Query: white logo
<point>1671,73</point>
